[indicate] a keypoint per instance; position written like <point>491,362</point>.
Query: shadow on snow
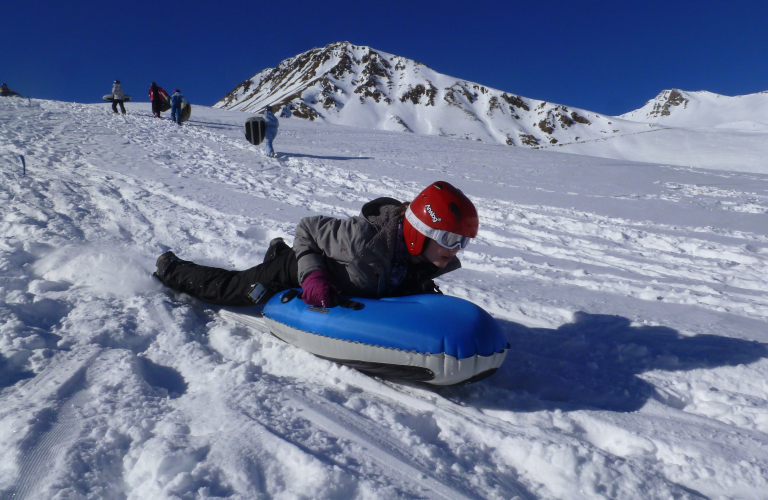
<point>594,363</point>
<point>200,123</point>
<point>299,155</point>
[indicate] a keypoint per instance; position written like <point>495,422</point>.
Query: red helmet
<point>440,212</point>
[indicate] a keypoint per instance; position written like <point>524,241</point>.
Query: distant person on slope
<point>6,92</point>
<point>286,111</point>
<point>118,96</point>
<point>391,249</point>
<point>272,124</point>
<point>177,99</point>
<point>156,96</point>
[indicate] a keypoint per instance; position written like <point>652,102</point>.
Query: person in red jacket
<point>156,95</point>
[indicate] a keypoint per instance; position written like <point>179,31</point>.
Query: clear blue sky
<point>604,56</point>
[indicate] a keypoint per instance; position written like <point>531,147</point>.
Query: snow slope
<point>680,108</point>
<point>696,129</point>
<point>633,294</point>
<point>740,148</point>
<point>354,85</point>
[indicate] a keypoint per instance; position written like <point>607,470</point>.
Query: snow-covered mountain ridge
<point>359,86</point>
<point>680,108</point>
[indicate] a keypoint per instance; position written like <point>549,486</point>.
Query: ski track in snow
<point>634,297</point>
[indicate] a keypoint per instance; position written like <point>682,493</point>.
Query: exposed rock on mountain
<point>347,84</point>
<point>680,108</point>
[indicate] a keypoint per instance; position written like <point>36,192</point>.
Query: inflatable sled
<point>435,339</point>
<point>165,103</point>
<point>186,111</point>
<point>255,129</point>
<point>111,97</point>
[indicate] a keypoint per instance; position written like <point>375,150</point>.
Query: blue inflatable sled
<point>435,339</point>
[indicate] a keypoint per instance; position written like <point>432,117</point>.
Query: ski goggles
<point>444,238</point>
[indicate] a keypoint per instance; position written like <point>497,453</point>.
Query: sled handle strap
<point>351,304</point>
<point>342,302</point>
<point>289,296</point>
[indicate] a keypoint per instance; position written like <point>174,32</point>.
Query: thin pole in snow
<point>23,166</point>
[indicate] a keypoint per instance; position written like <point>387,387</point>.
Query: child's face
<point>436,254</point>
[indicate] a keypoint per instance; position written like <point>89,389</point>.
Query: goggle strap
<point>420,226</point>
<point>429,232</point>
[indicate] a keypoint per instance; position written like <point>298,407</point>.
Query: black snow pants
<point>278,272</point>
<point>115,103</point>
<point>156,105</point>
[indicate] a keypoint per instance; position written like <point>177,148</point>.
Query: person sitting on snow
<point>390,249</point>
<point>286,111</point>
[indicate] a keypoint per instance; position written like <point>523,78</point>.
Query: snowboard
<point>111,97</point>
<point>255,130</point>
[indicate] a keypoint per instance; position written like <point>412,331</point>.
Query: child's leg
<point>228,288</point>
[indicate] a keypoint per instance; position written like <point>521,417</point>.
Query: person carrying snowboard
<point>272,124</point>
<point>177,99</point>
<point>118,96</point>
<point>156,96</point>
<point>390,249</point>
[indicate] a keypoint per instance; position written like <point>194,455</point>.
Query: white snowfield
<point>634,297</point>
<point>680,108</point>
<point>687,129</point>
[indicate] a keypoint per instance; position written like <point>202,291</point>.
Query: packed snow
<point>633,296</point>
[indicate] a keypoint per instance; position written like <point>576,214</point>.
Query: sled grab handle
<point>289,296</point>
<point>351,304</point>
<point>341,302</point>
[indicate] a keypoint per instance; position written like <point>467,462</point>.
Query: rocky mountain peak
<point>349,84</point>
<point>666,100</point>
<point>680,108</point>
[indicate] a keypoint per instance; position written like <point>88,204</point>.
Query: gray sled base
<point>255,130</point>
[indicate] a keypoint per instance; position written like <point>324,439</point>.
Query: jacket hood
<point>380,211</point>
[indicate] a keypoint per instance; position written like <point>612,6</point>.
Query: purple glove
<point>318,290</point>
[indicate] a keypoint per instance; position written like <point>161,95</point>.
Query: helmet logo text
<point>431,212</point>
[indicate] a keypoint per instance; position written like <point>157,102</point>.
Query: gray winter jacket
<point>271,119</point>
<point>117,92</point>
<point>359,251</point>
